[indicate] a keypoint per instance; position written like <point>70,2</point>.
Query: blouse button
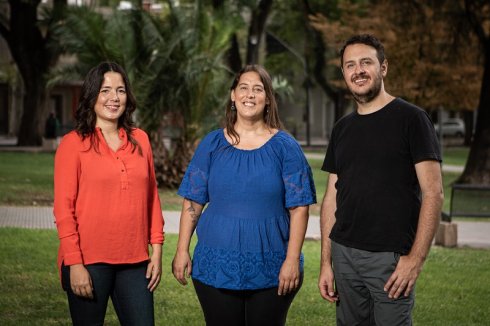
<point>122,170</point>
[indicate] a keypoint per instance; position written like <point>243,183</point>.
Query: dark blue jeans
<point>126,284</point>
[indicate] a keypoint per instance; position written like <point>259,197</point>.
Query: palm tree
<point>174,62</point>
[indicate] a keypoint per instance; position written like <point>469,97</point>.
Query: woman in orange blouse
<point>107,207</point>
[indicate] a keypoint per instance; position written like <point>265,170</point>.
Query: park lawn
<point>455,155</point>
<point>26,179</point>
<point>452,289</point>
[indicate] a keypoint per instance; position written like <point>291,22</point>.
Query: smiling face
<point>249,96</point>
<point>363,74</point>
<point>111,101</point>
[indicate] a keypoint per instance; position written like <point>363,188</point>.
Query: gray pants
<point>360,276</point>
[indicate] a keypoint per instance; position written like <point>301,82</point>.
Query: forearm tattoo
<point>192,212</point>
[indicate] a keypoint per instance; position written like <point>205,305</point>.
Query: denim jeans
<point>126,284</point>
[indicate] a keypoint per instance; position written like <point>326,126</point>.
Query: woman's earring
<point>233,107</point>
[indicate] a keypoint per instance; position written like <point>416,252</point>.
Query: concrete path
<point>472,234</point>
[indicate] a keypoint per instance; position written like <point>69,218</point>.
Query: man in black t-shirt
<point>384,196</point>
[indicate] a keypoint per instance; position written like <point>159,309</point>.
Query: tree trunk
<point>34,58</point>
<point>477,170</point>
<point>256,30</point>
<point>469,126</point>
<point>32,121</point>
<point>27,51</point>
<point>233,55</point>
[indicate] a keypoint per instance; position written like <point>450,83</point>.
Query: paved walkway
<point>472,234</point>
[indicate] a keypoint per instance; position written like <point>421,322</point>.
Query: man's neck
<point>375,104</point>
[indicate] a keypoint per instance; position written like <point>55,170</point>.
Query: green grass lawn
<point>455,155</point>
<point>27,179</point>
<point>452,290</point>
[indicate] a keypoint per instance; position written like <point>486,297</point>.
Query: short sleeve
<point>423,139</point>
<point>194,185</point>
<point>297,176</point>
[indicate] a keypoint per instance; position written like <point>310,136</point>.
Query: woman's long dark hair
<point>85,117</point>
<point>271,113</point>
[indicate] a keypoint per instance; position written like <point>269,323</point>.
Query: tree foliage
<point>436,51</point>
<point>175,65</point>
<point>429,62</point>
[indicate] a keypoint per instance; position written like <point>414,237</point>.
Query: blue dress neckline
<point>222,133</point>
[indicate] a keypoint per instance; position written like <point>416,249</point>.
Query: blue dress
<point>243,232</point>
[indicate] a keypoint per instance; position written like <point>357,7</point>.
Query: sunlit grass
<point>452,289</point>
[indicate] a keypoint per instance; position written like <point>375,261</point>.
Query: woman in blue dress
<point>257,186</point>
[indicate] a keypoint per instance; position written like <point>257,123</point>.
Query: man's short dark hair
<point>368,40</point>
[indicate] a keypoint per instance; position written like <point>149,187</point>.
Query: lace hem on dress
<point>236,270</point>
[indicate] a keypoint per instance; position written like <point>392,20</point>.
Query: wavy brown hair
<point>85,117</point>
<point>271,113</point>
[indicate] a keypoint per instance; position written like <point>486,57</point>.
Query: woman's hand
<point>289,276</point>
<point>80,281</point>
<point>154,269</point>
<point>182,266</point>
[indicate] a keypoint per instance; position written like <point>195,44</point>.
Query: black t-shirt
<point>378,194</point>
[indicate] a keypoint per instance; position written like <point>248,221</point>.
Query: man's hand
<point>403,278</point>
<point>326,284</point>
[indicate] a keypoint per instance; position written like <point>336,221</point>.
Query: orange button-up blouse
<point>106,204</point>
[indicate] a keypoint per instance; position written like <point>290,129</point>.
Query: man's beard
<point>370,94</point>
